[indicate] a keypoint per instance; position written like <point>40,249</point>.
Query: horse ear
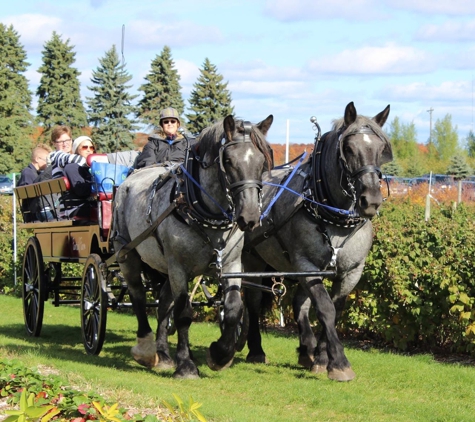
<point>229,127</point>
<point>381,118</point>
<point>350,114</point>
<point>265,125</point>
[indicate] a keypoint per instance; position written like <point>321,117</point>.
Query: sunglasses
<point>91,147</point>
<point>172,122</point>
<point>66,141</point>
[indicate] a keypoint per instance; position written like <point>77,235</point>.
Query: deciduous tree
<point>445,138</point>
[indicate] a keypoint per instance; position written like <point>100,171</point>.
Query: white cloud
<point>449,31</point>
<point>299,10</point>
<point>445,92</point>
<point>390,59</point>
<point>261,88</point>
<point>34,29</point>
<point>148,33</point>
<point>431,7</point>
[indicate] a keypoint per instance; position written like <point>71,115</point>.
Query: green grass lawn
<point>388,387</point>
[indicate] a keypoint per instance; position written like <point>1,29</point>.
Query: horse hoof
<point>346,374</point>
<point>165,365</point>
<point>147,362</point>
<point>187,376</point>
<point>144,351</point>
<point>257,359</point>
<point>213,365</point>
<point>306,361</point>
<point>318,369</point>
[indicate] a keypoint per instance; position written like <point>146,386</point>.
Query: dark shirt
<point>28,175</point>
<point>160,150</point>
<point>80,179</point>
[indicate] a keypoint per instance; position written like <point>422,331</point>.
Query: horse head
<point>242,154</point>
<point>243,157</point>
<point>363,148</point>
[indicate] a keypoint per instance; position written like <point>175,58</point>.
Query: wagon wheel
<point>34,290</point>
<point>242,329</point>
<point>93,306</point>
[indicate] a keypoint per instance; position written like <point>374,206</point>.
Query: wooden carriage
<point>61,238</point>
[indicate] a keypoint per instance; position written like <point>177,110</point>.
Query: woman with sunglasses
<point>75,201</point>
<point>166,145</point>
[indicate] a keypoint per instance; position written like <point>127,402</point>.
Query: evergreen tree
<point>392,168</point>
<point>209,100</point>
<point>445,138</point>
<point>161,90</point>
<point>16,121</point>
<point>59,94</point>
<point>110,109</point>
<point>458,167</point>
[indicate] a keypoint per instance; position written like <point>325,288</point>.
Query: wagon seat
<point>104,199</point>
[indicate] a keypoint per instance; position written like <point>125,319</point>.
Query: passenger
<point>39,160</point>
<point>76,200</point>
<point>167,145</point>
<point>61,138</point>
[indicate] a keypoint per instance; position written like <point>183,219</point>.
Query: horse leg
<point>338,367</point>
<point>164,312</point>
<point>144,351</point>
<point>220,354</point>
<point>182,313</point>
<point>307,342</point>
<point>253,300</point>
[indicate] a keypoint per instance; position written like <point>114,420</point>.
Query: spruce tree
<point>59,94</point>
<point>209,100</point>
<point>16,121</point>
<point>458,167</point>
<point>110,110</point>
<point>161,90</point>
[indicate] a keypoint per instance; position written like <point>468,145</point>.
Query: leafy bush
<point>418,287</point>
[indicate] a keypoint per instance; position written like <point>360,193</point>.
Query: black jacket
<point>28,175</point>
<point>159,150</point>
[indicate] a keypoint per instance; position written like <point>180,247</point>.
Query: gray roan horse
<point>196,213</point>
<point>328,230</point>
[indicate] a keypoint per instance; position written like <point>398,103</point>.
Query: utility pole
<point>430,132</point>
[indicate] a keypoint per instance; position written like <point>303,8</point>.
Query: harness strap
<point>121,254</point>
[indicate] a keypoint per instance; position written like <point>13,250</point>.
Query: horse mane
<point>339,126</point>
<point>210,139</point>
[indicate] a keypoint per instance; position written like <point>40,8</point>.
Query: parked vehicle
<point>6,185</point>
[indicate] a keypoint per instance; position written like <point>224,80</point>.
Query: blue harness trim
<point>337,210</point>
<point>229,217</point>
<point>284,186</point>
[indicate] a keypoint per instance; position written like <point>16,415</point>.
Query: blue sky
<point>293,59</point>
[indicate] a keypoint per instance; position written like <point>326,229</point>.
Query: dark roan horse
<point>196,214</point>
<point>321,221</point>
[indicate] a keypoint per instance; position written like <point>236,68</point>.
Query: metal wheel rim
<point>33,293</point>
<point>93,306</point>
